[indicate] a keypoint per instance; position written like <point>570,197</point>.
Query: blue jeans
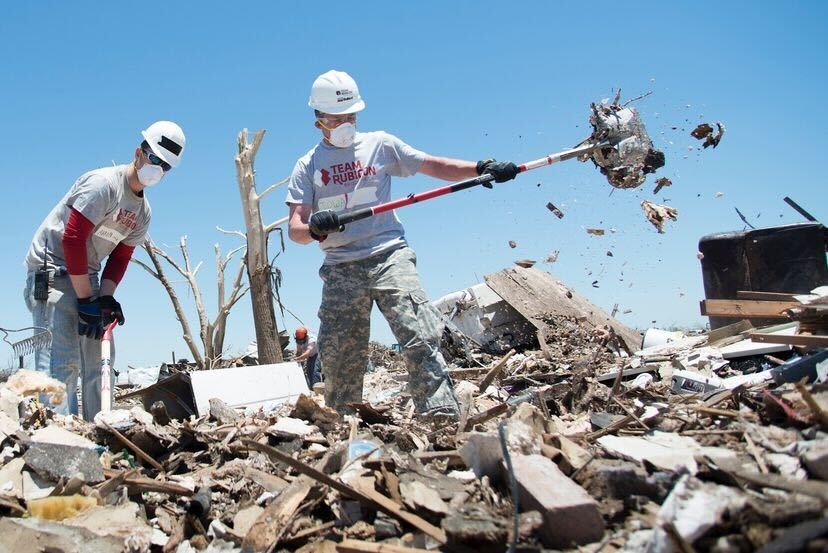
<point>69,353</point>
<point>313,370</point>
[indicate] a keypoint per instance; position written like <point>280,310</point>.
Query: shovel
<point>619,146</point>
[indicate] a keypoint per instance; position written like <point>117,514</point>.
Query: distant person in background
<point>104,215</point>
<point>308,355</point>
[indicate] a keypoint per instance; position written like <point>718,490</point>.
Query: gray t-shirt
<point>360,176</point>
<point>104,197</point>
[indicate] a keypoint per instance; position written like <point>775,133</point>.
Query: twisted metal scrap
<point>630,155</point>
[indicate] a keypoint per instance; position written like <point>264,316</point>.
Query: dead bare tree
<point>211,333</point>
<point>259,271</point>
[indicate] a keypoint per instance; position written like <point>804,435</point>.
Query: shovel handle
<point>365,212</point>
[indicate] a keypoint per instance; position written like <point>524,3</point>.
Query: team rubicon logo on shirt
<point>343,173</point>
<point>127,218</point>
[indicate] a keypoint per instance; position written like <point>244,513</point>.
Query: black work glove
<point>110,311</point>
<point>500,170</point>
<point>322,223</point>
<point>90,323</point>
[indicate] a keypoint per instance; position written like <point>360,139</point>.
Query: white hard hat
<point>336,93</point>
<point>166,139</point>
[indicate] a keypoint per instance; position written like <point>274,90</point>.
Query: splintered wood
<point>658,214</point>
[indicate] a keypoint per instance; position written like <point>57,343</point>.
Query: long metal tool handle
<point>365,212</point>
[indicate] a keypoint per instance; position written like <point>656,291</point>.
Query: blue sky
<point>463,79</point>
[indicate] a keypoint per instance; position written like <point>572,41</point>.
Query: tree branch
<point>275,224</point>
<point>236,232</point>
<point>190,275</point>
<point>146,267</point>
<point>153,254</point>
<point>272,187</point>
<point>220,324</point>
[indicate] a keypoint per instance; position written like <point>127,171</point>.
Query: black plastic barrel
<point>785,259</point>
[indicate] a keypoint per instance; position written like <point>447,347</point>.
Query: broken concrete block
<point>221,413</point>
<point>56,461</point>
<point>8,425</point>
<point>416,495</point>
<point>482,454</point>
<point>22,484</point>
<point>571,516</point>
<point>290,428</point>
<point>665,450</point>
<point>245,518</point>
<point>10,402</point>
<point>124,522</point>
<point>474,527</point>
<point>815,459</point>
<point>616,479</point>
<point>694,507</point>
<point>32,535</point>
<point>54,434</point>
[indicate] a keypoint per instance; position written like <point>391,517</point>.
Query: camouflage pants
<point>348,294</point>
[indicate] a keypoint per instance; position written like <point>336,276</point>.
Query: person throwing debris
<point>307,354</point>
<point>369,261</point>
<point>105,214</point>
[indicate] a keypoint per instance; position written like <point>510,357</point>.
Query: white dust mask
<point>343,135</point>
<point>149,175</point>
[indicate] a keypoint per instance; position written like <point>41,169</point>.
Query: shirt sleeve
<point>300,185</point>
<point>77,231</point>
<point>116,264</point>
<point>93,197</point>
<point>405,160</point>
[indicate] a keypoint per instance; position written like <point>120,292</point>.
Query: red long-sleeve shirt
<point>75,235</point>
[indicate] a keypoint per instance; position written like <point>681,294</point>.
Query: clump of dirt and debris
<point>630,155</point>
<point>705,132</point>
<point>657,214</point>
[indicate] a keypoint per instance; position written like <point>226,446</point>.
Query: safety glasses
<point>333,121</point>
<point>155,160</point>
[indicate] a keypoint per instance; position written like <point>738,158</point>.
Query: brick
<point>570,515</point>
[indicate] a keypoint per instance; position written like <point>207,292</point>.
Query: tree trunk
<point>258,268</point>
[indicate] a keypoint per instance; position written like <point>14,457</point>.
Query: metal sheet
<point>250,387</point>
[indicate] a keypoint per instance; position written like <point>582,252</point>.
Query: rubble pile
<point>580,441</point>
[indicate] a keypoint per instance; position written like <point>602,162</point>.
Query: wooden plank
<point>488,414</point>
<point>358,546</point>
<point>536,294</point>
<point>764,296</point>
<point>746,308</point>
<point>371,497</point>
<point>729,330</point>
<point>492,374</point>
<point>270,524</point>
<point>808,340</point>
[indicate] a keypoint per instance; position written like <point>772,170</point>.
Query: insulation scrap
<point>661,183</point>
<point>705,132</point>
<point>596,231</point>
<point>525,263</point>
<point>657,214</point>
<point>28,383</point>
<point>557,212</point>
